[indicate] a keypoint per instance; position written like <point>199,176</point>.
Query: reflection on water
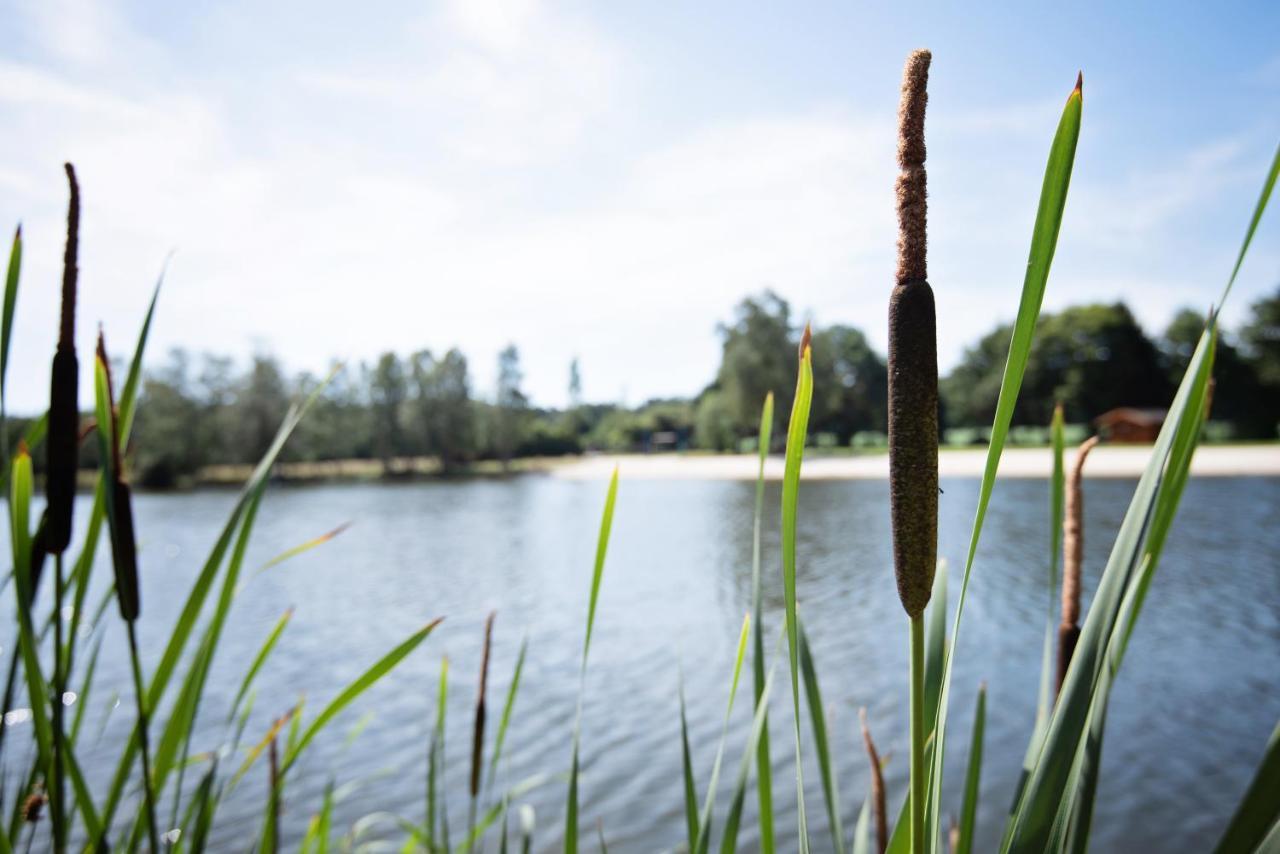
<point>1195,703</point>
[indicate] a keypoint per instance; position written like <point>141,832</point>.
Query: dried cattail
<point>877,785</point>
<point>64,413</point>
<point>32,806</point>
<point>1072,558</point>
<point>124,550</point>
<point>913,362</point>
<point>274,758</point>
<point>477,744</point>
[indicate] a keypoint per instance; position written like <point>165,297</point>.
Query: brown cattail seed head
<point>32,806</point>
<point>877,785</point>
<point>911,185</point>
<point>62,442</point>
<point>913,364</point>
<point>1072,559</point>
<point>477,745</point>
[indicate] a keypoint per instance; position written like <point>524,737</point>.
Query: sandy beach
<point>1115,461</point>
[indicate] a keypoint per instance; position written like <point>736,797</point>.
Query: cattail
<point>1072,557</point>
<point>477,745</point>
<point>124,550</point>
<point>877,785</point>
<point>274,758</point>
<point>32,806</point>
<point>64,413</point>
<point>913,362</point>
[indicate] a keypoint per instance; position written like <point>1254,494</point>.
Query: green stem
<point>58,790</point>
<point>918,736</point>
<point>143,739</point>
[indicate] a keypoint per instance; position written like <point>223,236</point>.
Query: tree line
<point>199,411</point>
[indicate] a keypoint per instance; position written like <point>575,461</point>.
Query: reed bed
<point>52,806</point>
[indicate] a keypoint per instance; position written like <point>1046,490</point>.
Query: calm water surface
<point>1196,700</point>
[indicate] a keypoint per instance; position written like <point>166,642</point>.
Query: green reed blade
<point>764,770</point>
<point>84,796</point>
<point>862,830</point>
<point>263,653</point>
<point>690,788</point>
<point>362,683</point>
<point>1057,492</point>
<point>1268,184</point>
<point>936,651</point>
<point>507,708</point>
<point>1259,810</point>
<point>597,573</point>
<point>20,488</point>
<point>969,810</point>
<point>6,320</point>
<point>1044,240</point>
<point>797,430</point>
<point>818,719</point>
<point>708,803</point>
<point>729,841</point>
<point>1055,778</point>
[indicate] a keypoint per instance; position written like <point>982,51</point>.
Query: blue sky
<point>607,180</point>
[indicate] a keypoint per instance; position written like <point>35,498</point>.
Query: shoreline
<point>1115,461</point>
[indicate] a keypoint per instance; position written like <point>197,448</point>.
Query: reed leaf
<point>729,840</point>
<point>6,321</point>
<point>797,430</point>
<point>1258,813</point>
<point>818,719</point>
<point>690,788</point>
<point>597,573</point>
<point>358,686</point>
<point>508,707</point>
<point>435,757</point>
<point>258,660</point>
<point>708,804</point>
<point>764,769</point>
<point>1044,241</point>
<point>969,809</point>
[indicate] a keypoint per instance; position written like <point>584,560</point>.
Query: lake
<point>1195,702</point>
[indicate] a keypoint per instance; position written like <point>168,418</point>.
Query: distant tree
<point>1239,396</point>
<point>850,384</point>
<point>1091,358</point>
<point>388,390</point>
<point>338,425</point>
<point>758,356</point>
<point>444,415</point>
<point>167,444</point>
<point>575,384</point>
<point>509,405</point>
<point>258,408</point>
<point>714,428</point>
<point>1260,338</point>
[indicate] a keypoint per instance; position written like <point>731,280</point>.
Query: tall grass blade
<point>508,707</point>
<point>969,810</point>
<point>264,652</point>
<point>6,337</point>
<point>690,788</point>
<point>818,718</point>
<point>708,803</point>
<point>597,573</point>
<point>358,686</point>
<point>797,430</point>
<point>764,765</point>
<point>435,757</point>
<point>1259,811</point>
<point>729,841</point>
<point>1044,241</point>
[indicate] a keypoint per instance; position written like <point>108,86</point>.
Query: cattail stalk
<point>477,743</point>
<point>913,409</point>
<point>1072,559</point>
<point>877,786</point>
<point>61,441</point>
<point>124,560</point>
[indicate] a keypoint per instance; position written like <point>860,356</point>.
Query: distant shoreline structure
<point>1106,461</point>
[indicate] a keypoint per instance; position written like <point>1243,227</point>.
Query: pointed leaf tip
<point>1079,83</point>
<point>806,341</point>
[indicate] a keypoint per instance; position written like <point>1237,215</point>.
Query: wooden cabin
<point>1128,424</point>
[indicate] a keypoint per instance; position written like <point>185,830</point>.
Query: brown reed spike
<point>477,745</point>
<point>877,785</point>
<point>61,443</point>
<point>1072,558</point>
<point>913,363</point>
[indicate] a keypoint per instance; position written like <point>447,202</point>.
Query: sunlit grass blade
<point>797,431</point>
<point>764,770</point>
<point>729,840</point>
<point>1057,491</point>
<point>6,337</point>
<point>969,809</point>
<point>435,756</point>
<point>358,686</point>
<point>597,573</point>
<point>818,719</point>
<point>1268,185</point>
<point>1259,811</point>
<point>936,650</point>
<point>258,660</point>
<point>708,803</point>
<point>302,548</point>
<point>690,788</point>
<point>508,707</point>
<point>1044,241</point>
<point>1055,778</point>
